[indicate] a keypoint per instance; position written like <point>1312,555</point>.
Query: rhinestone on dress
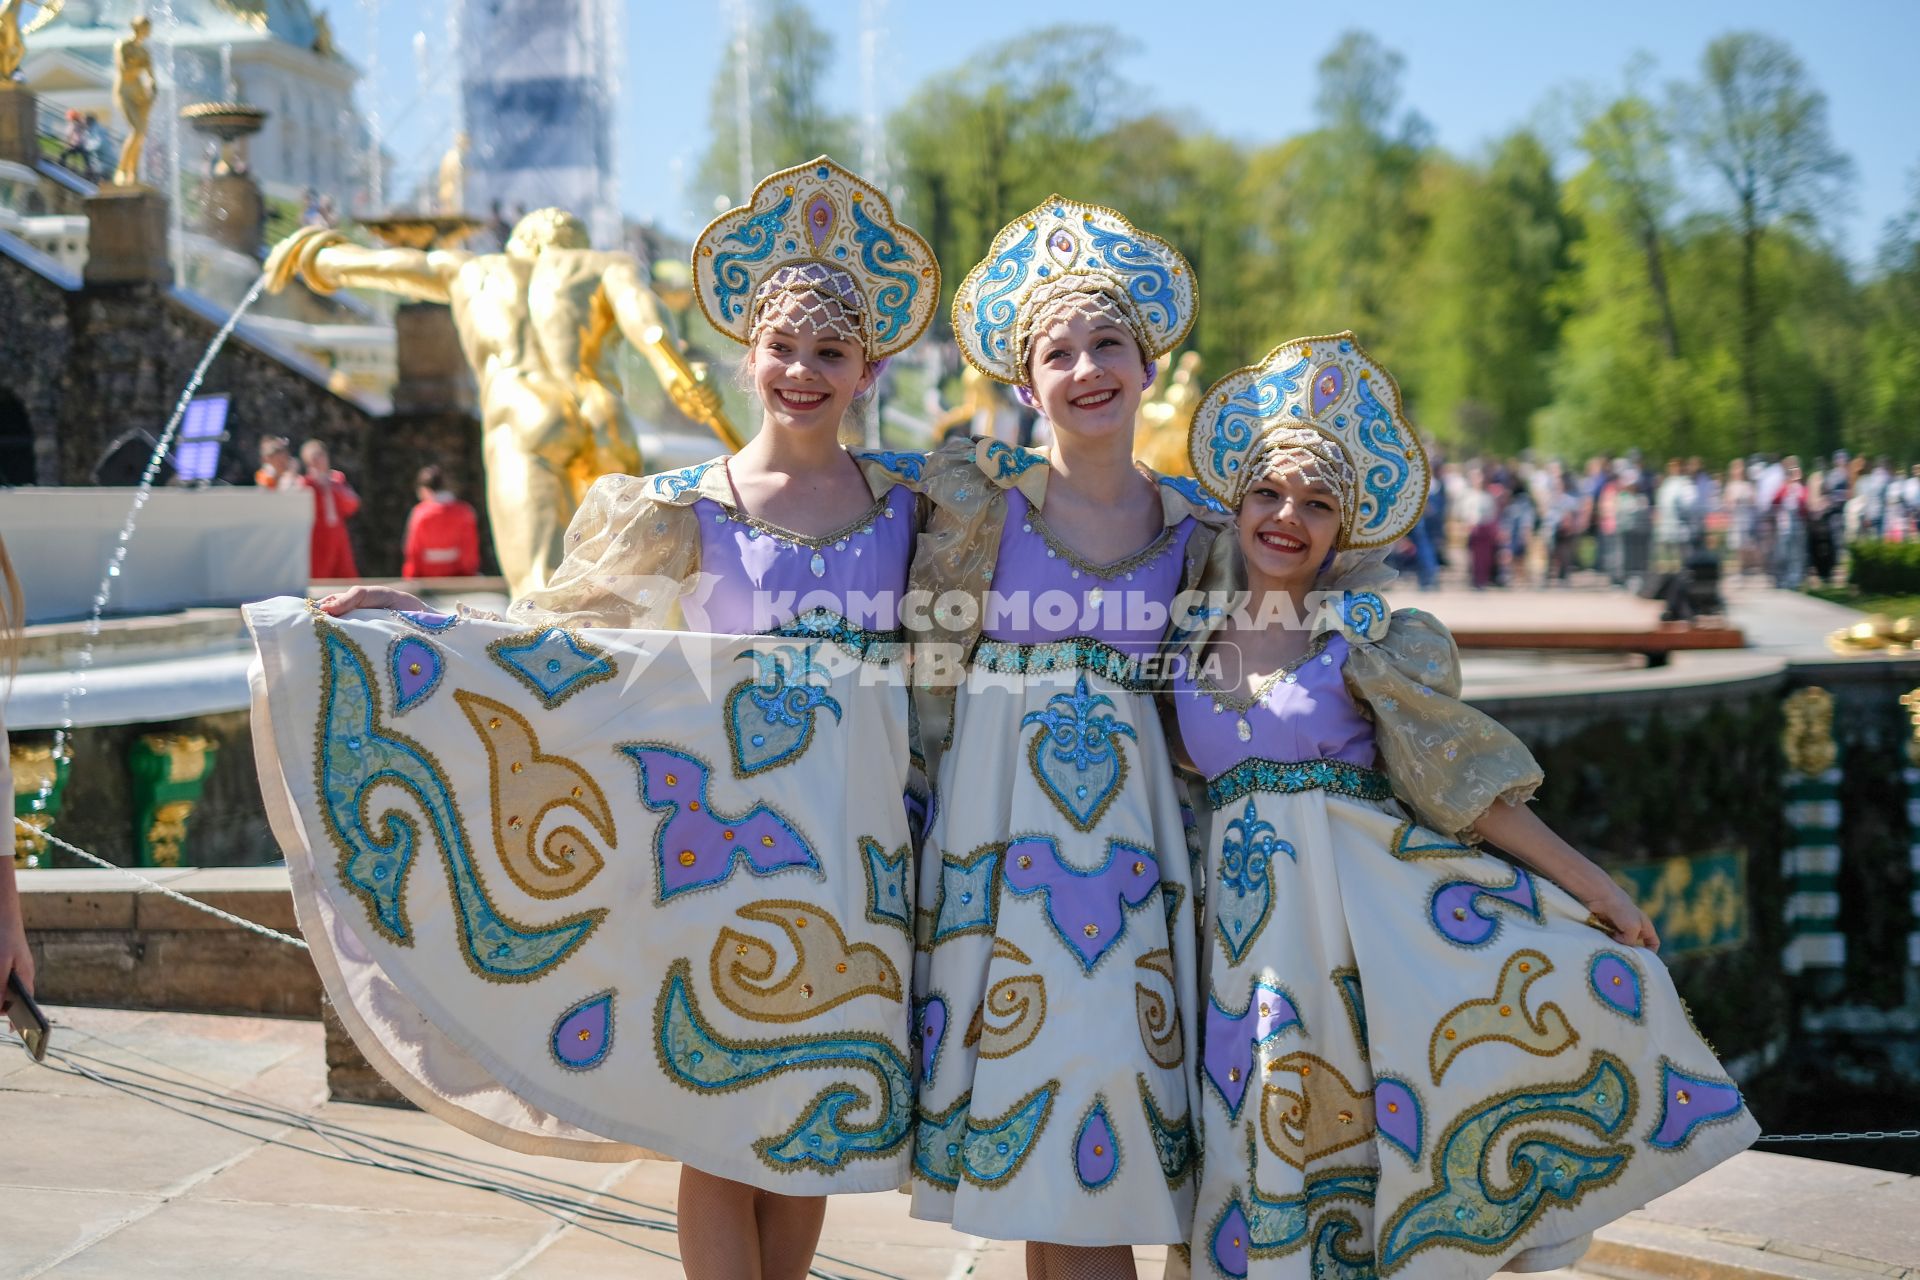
<point>818,564</point>
<point>1244,729</point>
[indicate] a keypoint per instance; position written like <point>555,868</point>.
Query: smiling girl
<point>1417,1057</point>
<point>1056,925</point>
<point>753,946</point>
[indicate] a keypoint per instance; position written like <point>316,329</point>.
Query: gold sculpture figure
<point>13,44</point>
<point>134,88</point>
<point>1166,412</point>
<point>536,324</point>
<point>451,181</point>
<point>12,47</point>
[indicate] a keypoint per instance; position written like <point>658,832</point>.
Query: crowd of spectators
<point>1528,522</point>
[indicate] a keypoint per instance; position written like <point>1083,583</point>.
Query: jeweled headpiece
<point>821,246</point>
<point>1061,257</point>
<point>1319,403</point>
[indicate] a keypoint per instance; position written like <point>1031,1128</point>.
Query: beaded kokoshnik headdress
<point>1064,257</point>
<point>1324,408</point>
<point>817,248</point>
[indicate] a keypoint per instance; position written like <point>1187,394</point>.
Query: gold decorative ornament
<point>1877,633</point>
<point>1807,741</point>
<point>537,323</point>
<point>1911,701</point>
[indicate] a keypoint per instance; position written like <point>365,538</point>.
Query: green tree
<point>787,65</point>
<point>1888,410</point>
<point>1483,321</point>
<point>1335,229</point>
<point>1010,127</point>
<point>1761,128</point>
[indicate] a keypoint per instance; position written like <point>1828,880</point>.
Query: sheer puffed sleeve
<point>1448,761</point>
<point>630,555</point>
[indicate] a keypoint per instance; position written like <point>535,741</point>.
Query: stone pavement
<point>151,1179</point>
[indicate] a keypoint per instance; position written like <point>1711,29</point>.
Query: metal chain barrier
<point>131,874</point>
<point>1870,1135</point>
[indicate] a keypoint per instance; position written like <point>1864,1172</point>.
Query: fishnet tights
<point>731,1231</point>
<point>1079,1262</point>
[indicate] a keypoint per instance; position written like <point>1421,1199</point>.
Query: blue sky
<point>1474,71</point>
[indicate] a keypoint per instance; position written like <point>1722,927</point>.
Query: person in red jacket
<point>334,502</point>
<point>443,534</point>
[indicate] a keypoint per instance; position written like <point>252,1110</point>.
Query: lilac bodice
<point>1040,594</point>
<point>761,577</point>
<point>1308,714</point>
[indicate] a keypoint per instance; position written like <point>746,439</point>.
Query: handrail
<point>51,122</point>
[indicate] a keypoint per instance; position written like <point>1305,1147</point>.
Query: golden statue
<point>451,181</point>
<point>1166,413</point>
<point>536,323</point>
<point>13,44</point>
<point>134,88</point>
<point>977,413</point>
<point>12,47</point>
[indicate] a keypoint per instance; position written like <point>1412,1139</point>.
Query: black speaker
<point>126,459</point>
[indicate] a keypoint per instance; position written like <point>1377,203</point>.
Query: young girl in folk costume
<point>1417,1058</point>
<point>1056,905</point>
<point>733,995</point>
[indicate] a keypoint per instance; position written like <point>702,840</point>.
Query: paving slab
<point>98,1182</point>
<point>199,1239</point>
<point>42,1225</point>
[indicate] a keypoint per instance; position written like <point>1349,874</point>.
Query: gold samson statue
<point>537,324</point>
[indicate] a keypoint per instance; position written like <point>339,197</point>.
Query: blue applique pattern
<point>1412,843</point>
<point>881,254</point>
<point>1347,982</point>
<point>770,719</point>
<point>910,466</point>
<point>1265,1226</point>
<point>969,894</point>
<point>1149,284</point>
<point>1189,488</point>
<point>359,754</point>
<point>1173,1143</point>
<point>889,884</point>
<point>1387,471</point>
<point>1245,882</point>
<point>995,312</point>
<point>1364,614</point>
<point>937,1141</point>
<point>993,1150</point>
<point>1471,1207</point>
<point>555,664</point>
<point>756,237</point>
<point>1291,777</point>
<point>1240,418</point>
<point>669,485</point>
<point>1076,755</point>
<point>825,1137</point>
<point>1009,462</point>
